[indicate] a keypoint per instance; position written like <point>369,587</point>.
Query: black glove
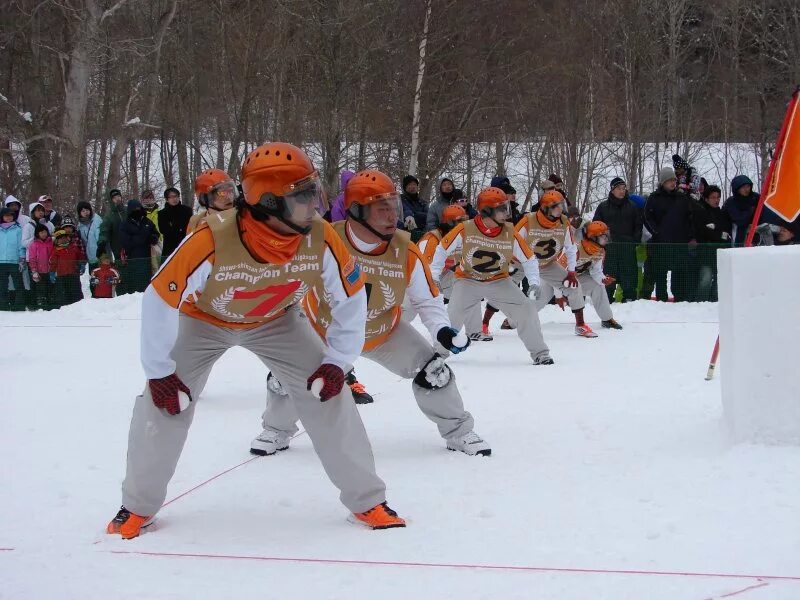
<point>445,338</point>
<point>101,249</point>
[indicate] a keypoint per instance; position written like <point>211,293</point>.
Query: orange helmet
<point>451,215</point>
<point>595,229</point>
<point>454,212</point>
<point>210,182</point>
<point>279,180</point>
<point>490,199</point>
<point>550,200</point>
<point>370,190</point>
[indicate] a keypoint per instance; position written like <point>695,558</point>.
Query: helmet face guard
<point>220,197</point>
<point>490,212</point>
<point>383,210</point>
<point>297,207</point>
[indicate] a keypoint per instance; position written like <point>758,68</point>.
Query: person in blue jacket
<point>12,260</point>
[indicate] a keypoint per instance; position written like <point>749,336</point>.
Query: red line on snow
<point>207,481</point>
<point>387,563</point>
<point>218,475</point>
<point>747,589</point>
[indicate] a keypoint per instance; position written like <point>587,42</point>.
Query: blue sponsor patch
<point>354,274</point>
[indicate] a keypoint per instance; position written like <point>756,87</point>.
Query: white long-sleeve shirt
<point>175,287</point>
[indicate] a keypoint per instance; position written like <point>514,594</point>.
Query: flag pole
<point>760,206</point>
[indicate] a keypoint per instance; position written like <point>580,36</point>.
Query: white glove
<point>410,223</point>
<point>711,226</point>
<point>534,291</point>
<point>725,235</point>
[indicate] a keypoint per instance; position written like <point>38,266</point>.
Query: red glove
<point>571,280</point>
<point>332,381</point>
<point>165,393</point>
<point>562,302</point>
<point>609,280</point>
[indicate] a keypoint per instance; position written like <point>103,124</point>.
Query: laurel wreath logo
<point>389,300</point>
<point>221,302</point>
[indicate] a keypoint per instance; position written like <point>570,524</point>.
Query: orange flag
<point>783,195</point>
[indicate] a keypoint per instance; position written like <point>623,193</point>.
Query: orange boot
<point>380,517</point>
<point>127,524</point>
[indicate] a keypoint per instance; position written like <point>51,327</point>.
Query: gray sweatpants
<point>292,350</point>
<point>473,322</point>
<point>506,296</point>
<point>552,278</point>
<point>598,295</point>
<point>405,353</point>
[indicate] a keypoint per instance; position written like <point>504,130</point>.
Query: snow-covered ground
<point>611,476</point>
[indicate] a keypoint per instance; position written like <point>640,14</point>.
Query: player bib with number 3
<point>241,289</point>
<point>546,244</point>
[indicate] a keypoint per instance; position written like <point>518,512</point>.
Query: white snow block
<point>759,329</point>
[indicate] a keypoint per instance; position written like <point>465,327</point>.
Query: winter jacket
<point>436,208</point>
<point>110,230</point>
<point>29,228</point>
<point>415,207</point>
<point>712,225</point>
<point>90,233</point>
<point>66,261</point>
<point>137,234</point>
<point>11,249</point>
<point>740,209</point>
<point>172,223</point>
<point>623,218</point>
<point>104,277</point>
<point>39,254</point>
<point>670,216</point>
<point>54,218</point>
<point>152,215</point>
<point>337,210</point>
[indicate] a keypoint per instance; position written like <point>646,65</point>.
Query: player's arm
<point>183,274</point>
<point>570,249</point>
<point>521,228</point>
<point>450,244</point>
<point>344,282</point>
<point>596,271</point>
<point>423,293</point>
<point>527,259</point>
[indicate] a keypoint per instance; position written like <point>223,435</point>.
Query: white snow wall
<point>759,326</point>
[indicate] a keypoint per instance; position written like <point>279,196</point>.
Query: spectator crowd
<point>664,242</point>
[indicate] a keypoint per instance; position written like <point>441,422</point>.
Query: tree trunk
<point>423,43</point>
<point>133,174</point>
<point>183,169</point>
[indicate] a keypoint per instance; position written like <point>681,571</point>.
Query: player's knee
<point>435,375</point>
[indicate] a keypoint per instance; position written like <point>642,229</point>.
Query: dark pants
<point>137,275</point>
<point>656,266</point>
<point>706,290</point>
<point>10,272</point>
<point>621,264</point>
<point>67,290</point>
<point>43,292</point>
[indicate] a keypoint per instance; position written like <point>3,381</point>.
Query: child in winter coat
<point>12,259</point>
<point>104,279</point>
<point>40,251</point>
<point>66,263</point>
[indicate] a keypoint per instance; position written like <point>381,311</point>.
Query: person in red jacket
<point>39,253</point>
<point>66,263</point>
<point>104,279</point>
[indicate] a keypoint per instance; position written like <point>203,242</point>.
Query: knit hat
<point>665,174</point>
<point>67,221</point>
<point>498,181</point>
<point>547,185</point>
<point>408,179</point>
<point>617,181</point>
<point>555,179</point>
<point>133,205</point>
<point>114,192</point>
<point>679,163</point>
<point>171,190</point>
